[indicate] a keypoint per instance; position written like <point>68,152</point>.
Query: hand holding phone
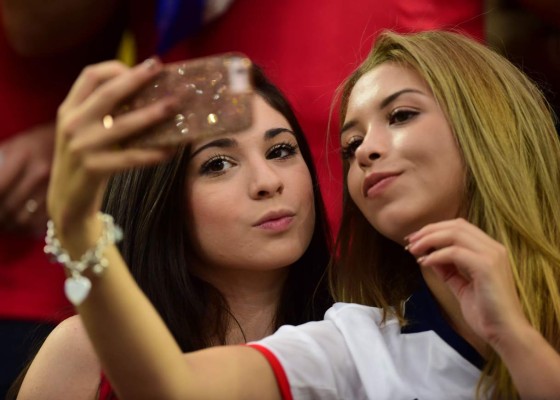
<point>214,96</point>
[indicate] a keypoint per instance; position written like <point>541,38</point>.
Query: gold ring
<point>107,121</point>
<point>31,206</point>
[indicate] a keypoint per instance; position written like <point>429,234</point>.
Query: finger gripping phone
<point>214,95</point>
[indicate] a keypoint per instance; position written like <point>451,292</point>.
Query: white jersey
<point>351,354</point>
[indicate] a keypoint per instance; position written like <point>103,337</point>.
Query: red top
<point>105,392</point>
<point>31,89</point>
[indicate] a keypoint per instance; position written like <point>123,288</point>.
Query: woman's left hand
<point>476,269</point>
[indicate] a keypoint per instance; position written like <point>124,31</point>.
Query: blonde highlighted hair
<point>511,150</point>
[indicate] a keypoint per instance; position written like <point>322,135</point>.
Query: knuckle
<point>90,73</point>
<point>501,252</point>
<point>460,222</point>
<point>75,150</point>
<point>105,92</point>
<point>454,252</point>
<point>89,165</point>
<point>43,171</point>
<point>40,172</point>
<point>62,110</point>
<point>69,126</point>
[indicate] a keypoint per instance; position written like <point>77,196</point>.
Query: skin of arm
<point>68,23</point>
<point>532,362</point>
<point>66,366</point>
<point>138,348</point>
<point>131,340</point>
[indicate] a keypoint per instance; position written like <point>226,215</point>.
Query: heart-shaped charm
<point>77,289</point>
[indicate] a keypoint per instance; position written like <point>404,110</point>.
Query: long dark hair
<point>149,205</point>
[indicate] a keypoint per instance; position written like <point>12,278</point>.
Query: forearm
<point>36,27</point>
<point>141,358</point>
<point>130,339</point>
<point>533,364</point>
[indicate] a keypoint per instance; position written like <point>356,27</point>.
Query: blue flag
<point>176,20</point>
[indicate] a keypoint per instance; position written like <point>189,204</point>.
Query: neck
<point>253,318</point>
<point>253,298</point>
<point>453,314</point>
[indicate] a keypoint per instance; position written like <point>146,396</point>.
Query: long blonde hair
<point>511,150</point>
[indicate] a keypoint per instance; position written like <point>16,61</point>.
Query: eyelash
<point>289,147</point>
<point>206,168</point>
<point>349,150</point>
<point>399,113</point>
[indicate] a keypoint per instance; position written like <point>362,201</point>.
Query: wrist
<point>519,339</point>
<point>76,260</point>
<point>78,235</point>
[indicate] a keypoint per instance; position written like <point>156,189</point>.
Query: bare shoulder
<point>66,366</point>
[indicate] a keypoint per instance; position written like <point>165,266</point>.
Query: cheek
<point>309,201</point>
<point>213,239</point>
<point>210,210</point>
<point>354,184</point>
<point>299,188</point>
<point>455,184</point>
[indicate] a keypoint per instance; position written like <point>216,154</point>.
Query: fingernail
<point>411,237</point>
<point>420,260</point>
<point>410,247</point>
<point>151,63</point>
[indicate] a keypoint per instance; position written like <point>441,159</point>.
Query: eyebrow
<point>227,143</point>
<point>389,99</point>
<point>384,103</point>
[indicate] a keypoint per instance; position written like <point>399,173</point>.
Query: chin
<point>266,265</point>
<point>394,227</point>
<point>281,259</point>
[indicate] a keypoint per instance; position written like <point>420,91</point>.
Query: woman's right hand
<point>87,150</point>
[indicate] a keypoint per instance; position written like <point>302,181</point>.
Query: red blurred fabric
<point>31,89</point>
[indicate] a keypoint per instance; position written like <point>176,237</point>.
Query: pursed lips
<point>274,216</point>
<point>376,178</point>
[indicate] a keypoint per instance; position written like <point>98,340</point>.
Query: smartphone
<point>214,96</point>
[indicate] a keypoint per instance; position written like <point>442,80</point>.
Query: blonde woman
<point>448,254</point>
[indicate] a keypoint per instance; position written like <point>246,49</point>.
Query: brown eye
<point>216,165</point>
<point>400,116</point>
<point>349,150</point>
<point>281,151</point>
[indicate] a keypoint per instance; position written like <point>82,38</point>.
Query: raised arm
<point>36,27</point>
<point>136,350</point>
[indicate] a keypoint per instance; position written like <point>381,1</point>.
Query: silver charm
<point>77,289</point>
<point>77,286</point>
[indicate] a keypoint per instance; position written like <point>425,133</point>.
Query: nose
<point>265,181</point>
<point>371,149</point>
